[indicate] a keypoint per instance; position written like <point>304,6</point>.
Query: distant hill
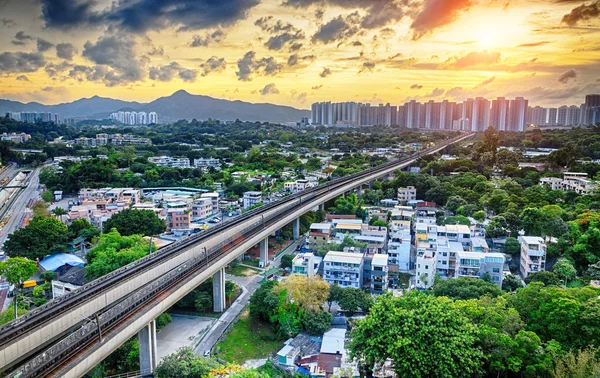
<point>179,105</point>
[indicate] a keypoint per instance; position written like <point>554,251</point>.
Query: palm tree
<point>59,212</point>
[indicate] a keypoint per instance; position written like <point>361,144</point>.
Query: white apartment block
<point>214,197</point>
<point>251,198</point>
<point>343,268</point>
<point>571,181</point>
<point>299,185</point>
<point>533,255</point>
<point>306,264</point>
<point>204,164</point>
<point>478,264</point>
<point>379,273</point>
<point>425,269</point>
<point>399,249</point>
<point>446,257</point>
<point>407,194</point>
<point>167,161</point>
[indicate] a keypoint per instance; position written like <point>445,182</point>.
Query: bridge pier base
<point>219,291</point>
<point>359,191</point>
<point>147,341</point>
<point>264,253</point>
<point>296,228</point>
<point>321,207</point>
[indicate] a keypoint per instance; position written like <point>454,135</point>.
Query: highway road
<point>19,205</point>
<point>8,172</point>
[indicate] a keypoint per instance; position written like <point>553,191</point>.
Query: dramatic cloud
<point>281,34</point>
<point>213,64</point>
<point>435,93</point>
<point>379,13</point>
<point>295,59</point>
<point>583,12</point>
<point>485,82</point>
<point>338,29</point>
<point>416,86</point>
<point>65,51</point>
<point>367,66</point>
<point>534,44</point>
<point>476,58</point>
<point>437,13</point>
<point>22,78</point>
<point>8,23</point>
<point>326,72</point>
<point>316,87</point>
<point>21,38</point>
<point>170,71</point>
<point>566,76</point>
<point>43,45</point>
<point>249,66</point>
<point>144,15</point>
<point>17,62</point>
<point>118,53</point>
<point>269,89</point>
<point>213,37</point>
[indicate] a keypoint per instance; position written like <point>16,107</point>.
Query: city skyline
<point>473,114</point>
<point>297,52</point>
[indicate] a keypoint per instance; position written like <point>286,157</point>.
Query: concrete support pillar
<point>322,206</point>
<point>370,184</point>
<point>296,228</point>
<point>147,341</point>
<point>264,253</point>
<point>359,191</point>
<point>219,291</point>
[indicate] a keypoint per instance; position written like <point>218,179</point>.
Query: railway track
<point>58,352</point>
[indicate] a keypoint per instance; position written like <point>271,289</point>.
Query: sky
<point>296,52</point>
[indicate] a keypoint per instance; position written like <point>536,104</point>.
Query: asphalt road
<point>19,205</point>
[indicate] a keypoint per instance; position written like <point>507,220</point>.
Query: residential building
<point>533,255</point>
<point>306,264</point>
<point>202,208</point>
<point>319,234</point>
<point>399,249</point>
<point>178,219</point>
<point>425,269</point>
<point>167,161</point>
<point>407,194</point>
<point>426,213</point>
<point>251,199</point>
<point>71,279</point>
<point>571,181</point>
<point>205,164</point>
<point>379,274</point>
<point>479,264</point>
<point>214,198</point>
<point>16,138</point>
<point>343,268</point>
<point>299,185</point>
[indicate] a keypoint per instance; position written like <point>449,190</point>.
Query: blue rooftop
<point>55,262</point>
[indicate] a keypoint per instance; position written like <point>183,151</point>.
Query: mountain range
<point>179,105</point>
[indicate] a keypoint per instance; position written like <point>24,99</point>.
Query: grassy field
<point>248,340</point>
<point>241,271</point>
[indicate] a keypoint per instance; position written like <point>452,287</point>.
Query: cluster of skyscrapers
<point>474,114</point>
<point>135,118</point>
<point>33,117</point>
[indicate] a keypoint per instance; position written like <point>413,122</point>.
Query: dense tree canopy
<point>136,222</point>
<point>41,237</point>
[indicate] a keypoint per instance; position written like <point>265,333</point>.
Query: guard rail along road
<point>69,335</point>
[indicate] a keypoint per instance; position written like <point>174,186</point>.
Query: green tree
<point>203,302</point>
<point>316,322</point>
<point>577,364</point>
<point>465,288</point>
<point>456,219</point>
<point>593,271</point>
<point>512,246</point>
<point>48,275</point>
<point>402,329</point>
<point>479,216</point>
<point>81,227</point>
<point>48,196</point>
<point>17,270</point>
<point>511,283</point>
<point>335,294</point>
<point>59,212</point>
<point>41,237</point>
<point>40,209</point>
<point>349,205</point>
<point>354,299</point>
<point>264,302</point>
<point>545,277</point>
<point>114,251</point>
<point>565,270</point>
<point>136,222</point>
<point>286,261</point>
<point>185,364</point>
